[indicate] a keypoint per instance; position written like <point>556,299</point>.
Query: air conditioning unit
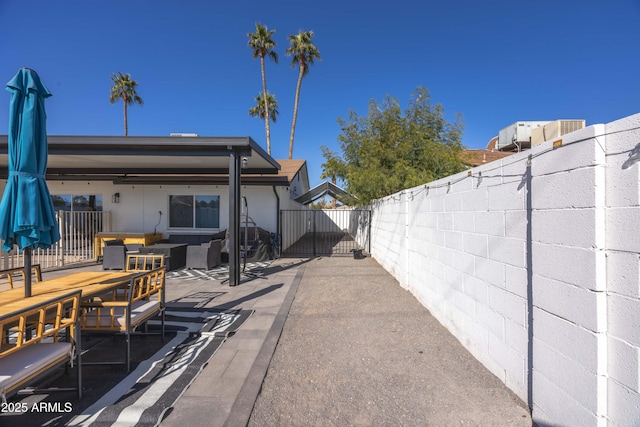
<point>554,130</point>
<point>183,134</point>
<point>517,136</point>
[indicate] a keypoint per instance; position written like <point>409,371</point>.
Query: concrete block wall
<point>546,265</point>
<point>622,242</point>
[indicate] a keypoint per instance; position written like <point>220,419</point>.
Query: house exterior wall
<point>546,265</point>
<point>139,206</point>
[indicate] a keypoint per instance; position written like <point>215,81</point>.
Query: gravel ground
<point>361,351</point>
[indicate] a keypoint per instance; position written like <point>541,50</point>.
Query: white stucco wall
<point>462,250</point>
<point>139,206</point>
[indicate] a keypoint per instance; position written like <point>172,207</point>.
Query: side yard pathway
<point>357,349</point>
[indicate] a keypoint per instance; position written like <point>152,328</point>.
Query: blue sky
<point>496,62</point>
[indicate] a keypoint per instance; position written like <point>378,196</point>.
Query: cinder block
<point>490,223</point>
<point>623,233</point>
<point>478,336</point>
<point>453,202</point>
<point>506,198</point>
<point>624,405</point>
<point>553,406</point>
<point>507,250</point>
<point>490,271</point>
<point>491,320</point>
<point>623,273</point>
<point>568,375</point>
<point>475,200</point>
<point>572,155</point>
<point>622,185</point>
<point>464,303</point>
<point>453,277</point>
<point>453,240</point>
<point>623,363</point>
<point>566,227</point>
<point>476,289</point>
<point>445,221</point>
<point>436,237</point>
<point>566,338</point>
<point>566,189</point>
<point>476,244</point>
<point>510,306</point>
<point>437,201</point>
<point>515,280</point>
<point>624,318</point>
<point>515,224</point>
<point>516,336</point>
<point>464,221</point>
<point>571,265</point>
<point>464,263</point>
<point>567,301</point>
<point>511,360</point>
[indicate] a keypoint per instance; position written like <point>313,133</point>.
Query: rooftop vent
<point>183,134</point>
<point>554,130</point>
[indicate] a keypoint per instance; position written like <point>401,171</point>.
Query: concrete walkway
<point>335,342</point>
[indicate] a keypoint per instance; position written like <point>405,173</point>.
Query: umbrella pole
<point>27,272</point>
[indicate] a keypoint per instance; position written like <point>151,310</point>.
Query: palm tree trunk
<point>334,181</point>
<point>126,125</point>
<point>266,106</point>
<point>295,111</point>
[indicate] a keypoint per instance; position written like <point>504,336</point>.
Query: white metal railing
<point>77,231</point>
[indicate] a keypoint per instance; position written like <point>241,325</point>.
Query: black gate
<point>318,232</point>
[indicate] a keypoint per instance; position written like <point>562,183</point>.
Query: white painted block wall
<point>460,245</point>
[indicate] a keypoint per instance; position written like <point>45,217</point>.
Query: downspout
<point>273,187</point>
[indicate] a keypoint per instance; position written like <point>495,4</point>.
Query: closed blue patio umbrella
<point>27,216</point>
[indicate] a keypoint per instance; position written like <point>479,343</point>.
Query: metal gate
<point>324,231</point>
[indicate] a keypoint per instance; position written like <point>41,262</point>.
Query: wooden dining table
<point>91,283</point>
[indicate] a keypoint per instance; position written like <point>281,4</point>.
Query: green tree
<point>333,167</point>
<point>390,150</point>
<point>303,53</point>
<point>259,111</point>
<point>124,88</point>
<point>262,45</point>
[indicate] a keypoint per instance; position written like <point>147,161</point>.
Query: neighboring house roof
<point>480,157</point>
<point>319,191</point>
<point>287,174</point>
<point>493,143</point>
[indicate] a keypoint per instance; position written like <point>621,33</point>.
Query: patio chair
<point>206,255</point>
<point>114,254</point>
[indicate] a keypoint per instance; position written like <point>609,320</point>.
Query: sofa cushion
<point>190,239</point>
<point>29,360</point>
<point>139,310</point>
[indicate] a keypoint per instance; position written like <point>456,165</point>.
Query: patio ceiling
<point>117,158</point>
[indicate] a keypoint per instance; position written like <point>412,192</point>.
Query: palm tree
<point>303,53</point>
<point>124,88</point>
<point>262,45</point>
<point>272,108</point>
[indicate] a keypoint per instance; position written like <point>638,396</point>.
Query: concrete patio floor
<point>333,341</point>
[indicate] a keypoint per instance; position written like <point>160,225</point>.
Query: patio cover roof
<point>116,158</point>
<point>319,191</point>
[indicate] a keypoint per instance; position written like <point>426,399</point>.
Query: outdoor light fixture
<point>115,198</point>
<point>244,162</point>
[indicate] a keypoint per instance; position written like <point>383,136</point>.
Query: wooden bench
<point>19,271</point>
<point>125,310</point>
<point>31,346</point>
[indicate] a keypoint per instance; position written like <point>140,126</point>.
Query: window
<point>194,211</point>
<point>68,202</point>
